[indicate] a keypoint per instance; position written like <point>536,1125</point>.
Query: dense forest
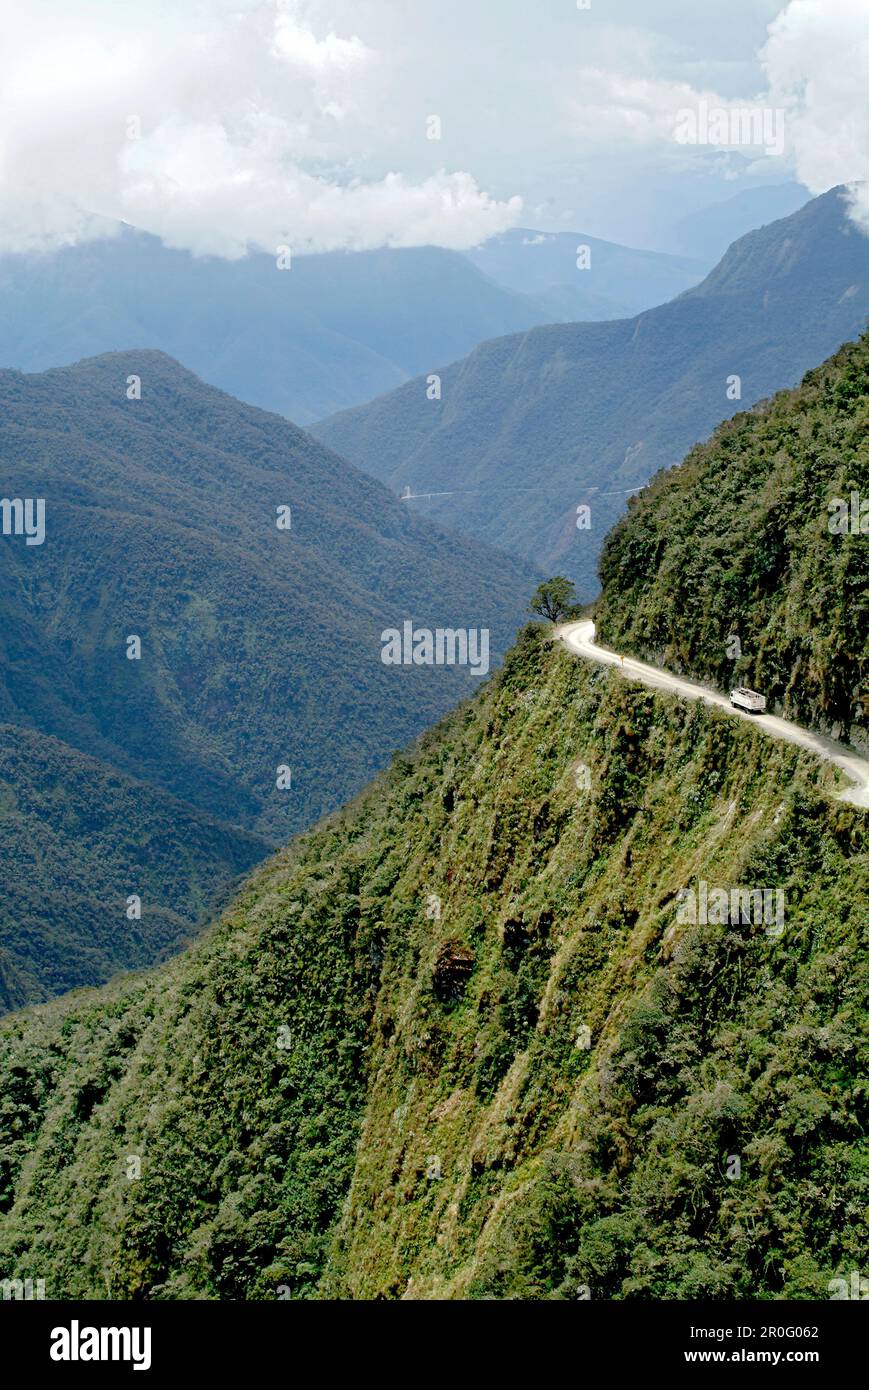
<point>79,841</point>
<point>259,647</point>
<point>464,1039</point>
<point>748,564</point>
<point>455,1041</point>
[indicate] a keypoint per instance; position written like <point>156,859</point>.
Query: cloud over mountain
<point>817,60</point>
<point>217,129</point>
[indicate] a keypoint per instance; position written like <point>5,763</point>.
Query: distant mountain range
<point>708,232</point>
<point>330,331</point>
<point>327,332</point>
<point>156,775</point>
<point>538,438</point>
<point>581,277</point>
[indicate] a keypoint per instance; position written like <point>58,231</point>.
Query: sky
<point>333,124</point>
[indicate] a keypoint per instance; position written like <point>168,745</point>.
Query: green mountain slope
<point>736,544</point>
<point>78,840</point>
<point>332,1037</point>
<point>14,993</point>
<point>260,647</point>
<point>532,427</point>
<point>466,1038</point>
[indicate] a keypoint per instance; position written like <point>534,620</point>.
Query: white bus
<point>749,700</point>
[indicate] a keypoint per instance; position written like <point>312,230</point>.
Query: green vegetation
<point>726,566</point>
<point>555,600</point>
<point>530,427</point>
<point>464,1039</point>
<point>79,839</point>
<point>403,992</point>
<point>260,648</point>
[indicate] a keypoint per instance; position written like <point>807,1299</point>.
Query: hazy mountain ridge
<point>328,332</point>
<point>325,333</point>
<point>531,427</point>
<point>583,277</point>
<point>709,231</point>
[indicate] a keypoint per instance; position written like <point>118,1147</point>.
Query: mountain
<point>328,332</point>
<point>79,839</point>
<point>582,277</point>
<point>709,232</point>
<point>530,428</point>
<point>737,544</point>
<point>476,1036</point>
<point>155,770</point>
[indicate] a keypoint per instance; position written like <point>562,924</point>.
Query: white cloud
<point>304,121</point>
<point>646,111</point>
<point>817,63</point>
<point>298,45</point>
<point>218,127</point>
<point>613,105</point>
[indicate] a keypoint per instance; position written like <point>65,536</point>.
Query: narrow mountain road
<point>579,639</point>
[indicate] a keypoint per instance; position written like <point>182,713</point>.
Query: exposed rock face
<point>452,970</point>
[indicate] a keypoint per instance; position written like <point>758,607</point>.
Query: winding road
<point>579,639</point>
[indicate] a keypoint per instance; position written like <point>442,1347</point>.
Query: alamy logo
<point>23,1290</point>
<point>24,516</point>
<point>848,516</point>
<point>446,646</point>
<point>723,126</point>
<point>76,1343</point>
<point>726,906</point>
<point>854,1287</point>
